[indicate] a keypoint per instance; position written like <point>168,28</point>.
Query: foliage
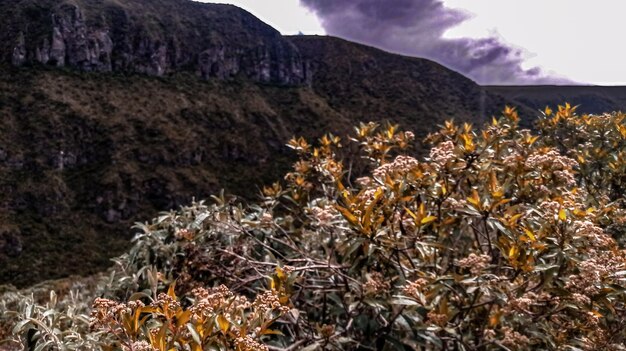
<point>598,143</point>
<point>499,239</point>
<point>217,320</point>
<point>55,325</point>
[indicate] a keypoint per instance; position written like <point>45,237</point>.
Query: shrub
<point>500,239</point>
<point>217,319</point>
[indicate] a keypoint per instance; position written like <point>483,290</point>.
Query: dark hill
<point>372,84</point>
<point>592,99</point>
<point>83,155</point>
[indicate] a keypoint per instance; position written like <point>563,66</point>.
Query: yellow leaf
<point>272,284</point>
<point>597,314</point>
<point>170,291</point>
<point>493,182</point>
<point>530,234</point>
<point>501,202</point>
<point>562,214</point>
<point>513,252</point>
<point>136,320</point>
<point>513,220</point>
<point>413,215</point>
<point>348,215</point>
<point>161,336</point>
<point>494,319</point>
<point>223,323</point>
<point>271,332</point>
<point>406,199</point>
<point>149,309</point>
<point>548,111</point>
<point>422,210</point>
<point>183,317</point>
<point>444,189</point>
<point>474,199</point>
<point>468,142</point>
<point>280,273</point>
<point>622,131</point>
<point>428,219</point>
<point>368,212</point>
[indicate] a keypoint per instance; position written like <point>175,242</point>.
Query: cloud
<point>417,28</point>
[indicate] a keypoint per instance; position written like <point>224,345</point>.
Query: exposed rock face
<point>155,37</point>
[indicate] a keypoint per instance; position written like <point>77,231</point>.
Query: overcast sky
<point>491,41</point>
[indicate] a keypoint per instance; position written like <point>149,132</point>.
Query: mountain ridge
<point>85,153</point>
<point>155,37</point>
<point>593,99</point>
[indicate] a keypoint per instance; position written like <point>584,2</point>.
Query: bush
<point>500,239</point>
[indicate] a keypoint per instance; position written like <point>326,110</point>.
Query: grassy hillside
<point>131,146</point>
<point>592,99</point>
<point>84,155</point>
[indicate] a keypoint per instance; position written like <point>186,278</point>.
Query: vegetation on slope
<point>85,155</point>
<point>499,239</point>
<point>592,99</point>
<point>355,78</point>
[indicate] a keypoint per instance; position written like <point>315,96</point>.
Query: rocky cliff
<point>155,37</point>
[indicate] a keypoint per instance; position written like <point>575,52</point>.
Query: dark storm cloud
<point>416,28</point>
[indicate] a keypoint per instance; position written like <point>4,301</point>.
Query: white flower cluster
<point>442,153</point>
<point>551,160</point>
<point>401,165</point>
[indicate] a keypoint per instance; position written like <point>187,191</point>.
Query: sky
<point>491,41</point>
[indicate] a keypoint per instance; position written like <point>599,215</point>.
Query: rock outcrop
<point>154,37</point>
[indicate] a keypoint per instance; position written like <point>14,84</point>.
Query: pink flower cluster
<point>442,153</point>
<point>551,160</point>
<point>401,165</point>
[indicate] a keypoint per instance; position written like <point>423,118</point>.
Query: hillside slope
<point>592,99</point>
<point>84,155</point>
<point>371,83</point>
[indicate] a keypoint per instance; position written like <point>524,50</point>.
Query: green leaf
<point>313,347</point>
<point>19,327</point>
<point>194,334</point>
<point>404,301</point>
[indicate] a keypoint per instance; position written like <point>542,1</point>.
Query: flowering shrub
<point>500,239</point>
<point>598,143</point>
<point>217,319</point>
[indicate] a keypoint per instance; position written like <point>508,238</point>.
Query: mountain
<point>155,37</point>
<point>592,99</point>
<point>369,83</point>
<point>113,110</point>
